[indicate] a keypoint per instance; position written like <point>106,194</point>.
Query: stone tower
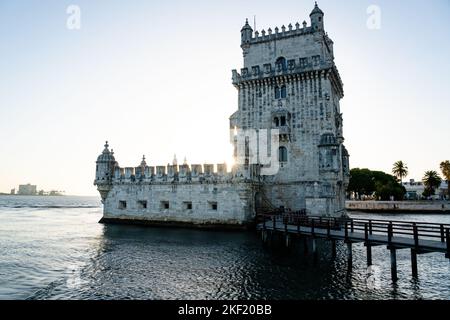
<point>290,85</point>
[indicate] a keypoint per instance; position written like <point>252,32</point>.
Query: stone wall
<point>199,204</point>
<point>399,206</point>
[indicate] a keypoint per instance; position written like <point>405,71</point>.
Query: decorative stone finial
<point>290,27</point>
<point>297,26</point>
<point>304,24</point>
<point>270,31</point>
<point>143,163</point>
<point>175,161</point>
<point>106,150</point>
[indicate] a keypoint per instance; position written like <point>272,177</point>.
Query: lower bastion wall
<point>201,204</point>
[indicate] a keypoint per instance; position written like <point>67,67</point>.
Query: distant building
<point>13,191</point>
<point>415,189</point>
<point>443,189</point>
<point>27,190</point>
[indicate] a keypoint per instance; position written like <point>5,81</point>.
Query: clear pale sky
<point>154,78</point>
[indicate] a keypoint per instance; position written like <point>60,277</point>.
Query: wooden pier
<point>418,237</point>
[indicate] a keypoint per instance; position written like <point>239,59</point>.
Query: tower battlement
<point>184,173</point>
<point>280,33</point>
<point>250,36</point>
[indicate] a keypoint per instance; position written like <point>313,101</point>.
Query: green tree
<point>361,182</point>
<point>400,170</point>
<point>432,181</point>
<point>386,185</point>
<point>367,182</point>
<point>445,169</point>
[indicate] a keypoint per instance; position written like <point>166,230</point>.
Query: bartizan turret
<point>317,18</point>
<point>105,171</point>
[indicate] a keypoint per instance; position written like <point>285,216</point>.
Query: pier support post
<point>414,263</point>
<point>305,245</point>
<point>349,258</point>
<point>393,264</point>
<point>314,248</point>
<point>333,248</point>
<point>349,251</point>
<point>287,240</point>
<point>369,254</point>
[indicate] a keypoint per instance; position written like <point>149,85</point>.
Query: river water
<point>54,248</point>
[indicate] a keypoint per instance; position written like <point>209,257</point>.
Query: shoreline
<point>178,224</point>
<point>405,207</point>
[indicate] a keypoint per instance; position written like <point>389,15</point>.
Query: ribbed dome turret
<point>316,10</point>
<point>246,26</point>
<point>246,33</point>
<point>106,156</point>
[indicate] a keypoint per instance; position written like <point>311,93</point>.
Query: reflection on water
<point>63,253</point>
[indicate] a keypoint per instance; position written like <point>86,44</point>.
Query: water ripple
<point>61,253</point>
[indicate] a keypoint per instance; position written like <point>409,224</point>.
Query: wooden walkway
<point>419,237</point>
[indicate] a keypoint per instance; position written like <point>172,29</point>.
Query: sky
<point>154,78</point>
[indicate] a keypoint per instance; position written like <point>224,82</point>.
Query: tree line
<point>384,186</point>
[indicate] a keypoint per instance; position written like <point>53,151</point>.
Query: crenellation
<point>129,172</point>
<point>270,35</point>
<point>160,172</point>
<point>149,172</point>
<point>179,174</point>
<point>208,169</point>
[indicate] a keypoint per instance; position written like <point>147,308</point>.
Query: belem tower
<point>287,136</point>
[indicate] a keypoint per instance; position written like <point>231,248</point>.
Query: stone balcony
<point>272,70</point>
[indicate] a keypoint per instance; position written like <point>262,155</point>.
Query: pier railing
<point>410,229</point>
<point>419,237</point>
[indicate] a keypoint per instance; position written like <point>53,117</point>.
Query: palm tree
<point>432,181</point>
<point>445,168</point>
<point>400,170</point>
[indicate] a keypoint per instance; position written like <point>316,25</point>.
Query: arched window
<point>283,92</point>
<point>281,64</point>
<point>277,122</point>
<point>282,154</point>
<point>280,93</point>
